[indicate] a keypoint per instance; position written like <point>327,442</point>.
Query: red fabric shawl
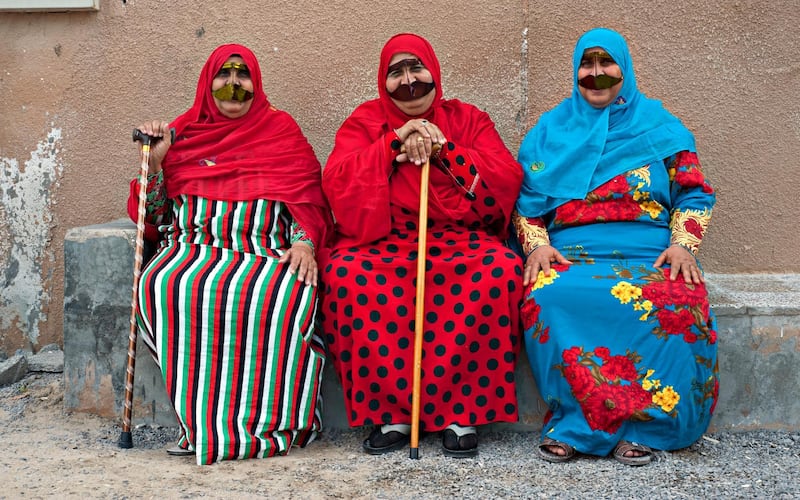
<point>261,155</point>
<point>357,179</point>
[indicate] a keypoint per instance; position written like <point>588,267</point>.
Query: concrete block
<point>48,361</point>
<point>13,369</point>
<point>98,274</point>
<point>758,321</point>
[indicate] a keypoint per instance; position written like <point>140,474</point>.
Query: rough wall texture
<point>73,85</point>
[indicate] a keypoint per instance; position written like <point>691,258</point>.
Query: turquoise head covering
<point>575,147</point>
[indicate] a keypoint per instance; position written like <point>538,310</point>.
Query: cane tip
<point>414,453</point>
<point>125,440</point>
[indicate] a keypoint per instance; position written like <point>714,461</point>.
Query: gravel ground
<point>49,453</point>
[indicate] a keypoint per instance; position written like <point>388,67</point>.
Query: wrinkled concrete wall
<point>84,79</point>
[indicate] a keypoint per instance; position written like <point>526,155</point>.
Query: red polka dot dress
<point>470,333</point>
<point>473,283</point>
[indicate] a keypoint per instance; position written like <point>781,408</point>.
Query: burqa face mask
<point>408,92</point>
<point>599,81</point>
<point>231,91</point>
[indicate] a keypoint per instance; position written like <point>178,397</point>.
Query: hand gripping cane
<point>420,306</point>
<point>125,437</point>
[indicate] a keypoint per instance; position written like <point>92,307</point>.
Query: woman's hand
<point>159,130</point>
<point>300,257</point>
<point>418,138</point>
<point>540,260</point>
<point>680,261</point>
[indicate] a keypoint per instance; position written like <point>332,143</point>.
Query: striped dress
<point>232,330</point>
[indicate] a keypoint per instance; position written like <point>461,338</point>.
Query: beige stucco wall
<point>73,85</point>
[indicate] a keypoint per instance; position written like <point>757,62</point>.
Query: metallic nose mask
<point>598,59</point>
<point>231,92</point>
<point>416,90</point>
<point>598,82</point>
<point>409,91</point>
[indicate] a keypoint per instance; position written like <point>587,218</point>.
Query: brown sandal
<point>624,447</point>
<point>546,454</point>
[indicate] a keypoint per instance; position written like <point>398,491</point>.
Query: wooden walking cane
<point>125,437</point>
<point>420,306</point>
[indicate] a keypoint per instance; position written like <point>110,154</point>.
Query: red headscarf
<point>261,155</point>
<point>356,178</point>
<point>413,44</point>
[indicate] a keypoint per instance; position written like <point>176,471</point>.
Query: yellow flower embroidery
<point>666,398</point>
<point>644,305</point>
<point>543,280</point>
<point>648,384</point>
<point>625,292</point>
<point>651,207</point>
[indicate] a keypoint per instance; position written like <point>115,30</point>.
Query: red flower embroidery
<point>530,313</point>
<point>691,177</point>
<point>603,353</point>
<point>618,184</point>
<point>570,212</point>
<point>658,292</point>
<point>580,380</point>
<point>571,355</point>
<point>693,227</point>
<point>676,322</point>
<point>715,396</point>
<point>621,209</point>
<point>609,405</point>
<point>616,368</point>
<point>544,336</point>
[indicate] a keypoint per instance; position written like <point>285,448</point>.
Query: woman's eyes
<point>604,62</point>
<point>418,68</point>
<point>225,73</point>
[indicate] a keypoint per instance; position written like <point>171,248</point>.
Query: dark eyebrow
<point>404,62</point>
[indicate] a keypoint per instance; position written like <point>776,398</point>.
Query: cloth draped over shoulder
<point>364,214</point>
<point>261,155</point>
<point>575,147</point>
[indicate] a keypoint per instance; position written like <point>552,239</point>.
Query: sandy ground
<point>47,453</point>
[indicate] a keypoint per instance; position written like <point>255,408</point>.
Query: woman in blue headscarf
<point>618,328</point>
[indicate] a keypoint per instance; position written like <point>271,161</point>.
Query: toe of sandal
<point>459,447</point>
<point>379,443</point>
<point>546,454</point>
<point>624,447</point>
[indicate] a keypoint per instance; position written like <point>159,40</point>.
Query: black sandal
<point>177,451</point>
<point>379,443</point>
<point>459,447</point>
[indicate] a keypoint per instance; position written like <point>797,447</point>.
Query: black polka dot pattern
<point>473,288</point>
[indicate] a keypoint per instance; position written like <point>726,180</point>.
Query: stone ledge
<point>758,329</point>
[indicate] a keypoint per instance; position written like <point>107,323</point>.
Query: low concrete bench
<point>758,330</point>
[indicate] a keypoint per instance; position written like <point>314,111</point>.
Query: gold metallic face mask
<point>231,91</point>
<point>239,67</point>
<point>601,81</point>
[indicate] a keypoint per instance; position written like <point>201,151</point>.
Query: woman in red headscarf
<point>473,284</point>
<point>228,303</point>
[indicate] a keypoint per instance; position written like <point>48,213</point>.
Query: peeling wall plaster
<point>26,220</point>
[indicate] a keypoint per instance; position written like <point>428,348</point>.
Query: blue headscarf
<point>575,147</point>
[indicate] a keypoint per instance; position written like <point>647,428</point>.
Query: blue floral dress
<point>618,350</point>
